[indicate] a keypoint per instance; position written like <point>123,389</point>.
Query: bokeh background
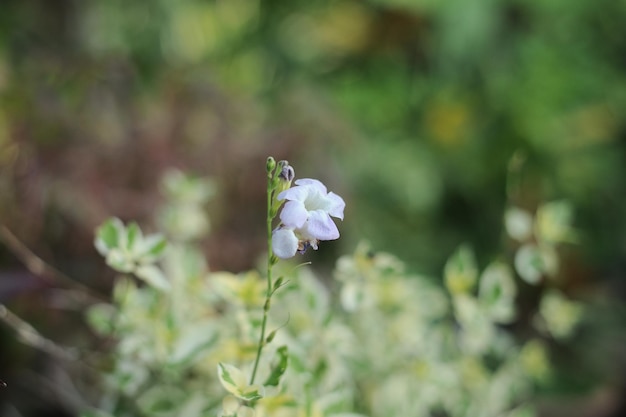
<point>429,117</point>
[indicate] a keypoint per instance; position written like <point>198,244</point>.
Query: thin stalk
<point>269,292</point>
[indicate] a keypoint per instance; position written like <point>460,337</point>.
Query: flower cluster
<point>306,218</point>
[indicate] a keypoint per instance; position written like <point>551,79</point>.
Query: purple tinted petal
<point>294,193</point>
<point>320,226</point>
<point>312,183</point>
<point>284,243</point>
<point>336,205</point>
<point>294,214</point>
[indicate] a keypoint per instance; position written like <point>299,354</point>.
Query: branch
<point>40,268</point>
<point>31,337</point>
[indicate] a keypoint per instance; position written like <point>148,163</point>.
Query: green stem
<point>269,292</point>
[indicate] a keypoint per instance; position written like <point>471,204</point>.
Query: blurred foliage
<point>426,111</point>
<point>378,341</point>
<point>415,105</point>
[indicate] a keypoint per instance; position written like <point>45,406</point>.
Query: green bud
<point>274,210</point>
<point>270,165</point>
<point>274,182</point>
<point>284,176</point>
<point>271,336</point>
<point>278,283</point>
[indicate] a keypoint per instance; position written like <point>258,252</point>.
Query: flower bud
<point>286,172</point>
<point>270,165</point>
<point>284,175</point>
<point>271,336</point>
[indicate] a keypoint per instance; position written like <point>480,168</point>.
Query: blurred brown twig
<point>40,268</point>
<point>28,335</point>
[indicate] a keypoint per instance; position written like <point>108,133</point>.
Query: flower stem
<point>269,292</point>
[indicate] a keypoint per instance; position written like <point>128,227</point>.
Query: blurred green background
<point>428,117</point>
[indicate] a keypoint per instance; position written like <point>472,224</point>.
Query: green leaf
<point>460,271</point>
<point>533,262</point>
<point>497,292</point>
<point>230,377</point>
<point>153,276</point>
<point>108,235</point>
<point>133,235</point>
<point>252,393</point>
<point>234,381</point>
<point>278,367</point>
<point>100,318</point>
<point>150,248</point>
<point>156,244</point>
<point>560,315</point>
<point>533,359</point>
<point>554,222</point>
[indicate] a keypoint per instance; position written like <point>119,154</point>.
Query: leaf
<point>234,381</point>
<point>560,315</point>
<point>100,317</point>
<point>232,378</point>
<point>108,235</point>
<point>554,222</point>
<point>460,272</point>
<point>534,360</point>
<point>153,276</point>
<point>278,368</point>
<point>518,224</point>
<point>151,248</point>
<point>133,236</point>
<point>497,292</point>
<point>532,262</point>
<point>251,393</point>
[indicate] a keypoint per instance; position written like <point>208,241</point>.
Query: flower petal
<point>298,193</point>
<point>336,205</point>
<point>320,226</point>
<point>316,184</point>
<point>294,214</point>
<point>284,243</point>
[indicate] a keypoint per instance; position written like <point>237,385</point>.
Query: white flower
<point>305,218</point>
